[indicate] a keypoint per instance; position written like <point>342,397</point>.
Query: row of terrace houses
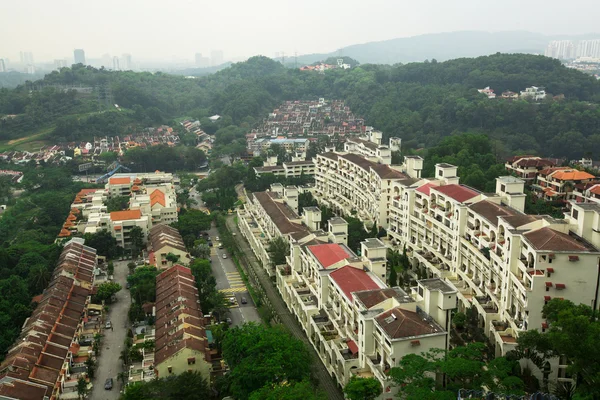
<point>164,240</point>
<point>47,359</point>
<point>181,341</point>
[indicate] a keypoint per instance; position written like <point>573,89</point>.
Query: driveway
<point>230,282</point>
<point>109,364</point>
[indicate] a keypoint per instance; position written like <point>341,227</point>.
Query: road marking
<point>234,290</point>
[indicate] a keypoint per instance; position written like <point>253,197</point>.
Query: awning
<point>561,286</point>
<point>548,284</point>
<point>547,298</point>
<point>544,325</point>
<point>573,258</point>
<point>415,342</point>
<point>551,270</point>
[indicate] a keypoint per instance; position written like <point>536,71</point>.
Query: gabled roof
<point>119,181</point>
<point>125,215</point>
<point>370,298</point>
<point>549,239</point>
<point>351,279</point>
<point>329,254</point>
<point>457,192</point>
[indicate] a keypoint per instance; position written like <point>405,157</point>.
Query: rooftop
<point>119,181</point>
<point>337,221</point>
<point>436,284</point>
<point>330,253</point>
<point>426,188</point>
<point>400,324</point>
<point>371,298</point>
<point>491,211</point>
<point>351,279</point>
<point>551,240</point>
<point>457,192</point>
<point>373,243</point>
<point>125,215</point>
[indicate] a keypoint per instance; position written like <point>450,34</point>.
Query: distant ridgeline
<point>419,102</point>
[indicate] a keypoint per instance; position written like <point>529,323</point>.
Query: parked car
<point>210,244</point>
<point>217,238</point>
<point>220,245</point>
<point>232,300</point>
<point>244,301</point>
<point>108,385</point>
<point>229,321</point>
<point>224,255</point>
<point>108,325</point>
<point>127,285</point>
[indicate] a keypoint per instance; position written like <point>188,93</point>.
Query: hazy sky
<point>176,29</point>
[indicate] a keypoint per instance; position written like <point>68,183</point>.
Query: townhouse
<point>181,342</point>
<point>164,240</point>
<point>41,364</point>
<point>527,167</point>
<point>556,184</point>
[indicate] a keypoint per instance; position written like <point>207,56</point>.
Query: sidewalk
<point>325,380</point>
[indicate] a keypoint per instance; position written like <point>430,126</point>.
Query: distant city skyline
<point>243,29</point>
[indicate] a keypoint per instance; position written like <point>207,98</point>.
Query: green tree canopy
<point>362,388</point>
<point>261,355</point>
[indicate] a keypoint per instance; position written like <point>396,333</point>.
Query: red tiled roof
<point>425,189</point>
<point>572,175</point>
<point>351,279</point>
<point>352,346</point>
<point>329,254</point>
<point>157,197</point>
<point>457,192</point>
<point>125,215</point>
<point>119,181</point>
<point>399,323</point>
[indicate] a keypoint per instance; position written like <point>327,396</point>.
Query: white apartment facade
<point>353,185</point>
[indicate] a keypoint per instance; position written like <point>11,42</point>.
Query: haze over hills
<point>444,46</point>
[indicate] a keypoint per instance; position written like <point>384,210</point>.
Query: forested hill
<point>420,102</point>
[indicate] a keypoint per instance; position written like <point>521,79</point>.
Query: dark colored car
<point>244,301</point>
<point>108,385</point>
<point>210,244</point>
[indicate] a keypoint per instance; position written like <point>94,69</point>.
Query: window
<point>440,173</point>
<point>502,188</point>
<point>575,214</point>
<point>170,369</point>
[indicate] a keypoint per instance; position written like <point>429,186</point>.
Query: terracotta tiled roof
<point>64,233</point>
<point>157,196</point>
<point>549,239</point>
<point>351,279</point>
<point>370,298</point>
<point>457,192</point>
<point>329,254</point>
<point>399,323</point>
<point>572,175</point>
<point>125,215</point>
<point>120,181</point>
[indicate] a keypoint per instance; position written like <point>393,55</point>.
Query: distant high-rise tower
<point>26,58</point>
<point>58,64</point>
<point>126,64</point>
<point>2,65</point>
<point>561,49</point>
<point>216,57</point>
<point>79,56</point>
<point>200,61</point>
<point>115,64</point>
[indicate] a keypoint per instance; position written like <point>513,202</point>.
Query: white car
<point>224,255</point>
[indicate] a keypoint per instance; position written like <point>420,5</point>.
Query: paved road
<point>230,282</point>
<point>325,380</point>
<point>109,364</point>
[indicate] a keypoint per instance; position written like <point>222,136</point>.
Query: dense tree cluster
<point>260,356</point>
<point>420,102</point>
<point>188,385</point>
<point>165,158</point>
